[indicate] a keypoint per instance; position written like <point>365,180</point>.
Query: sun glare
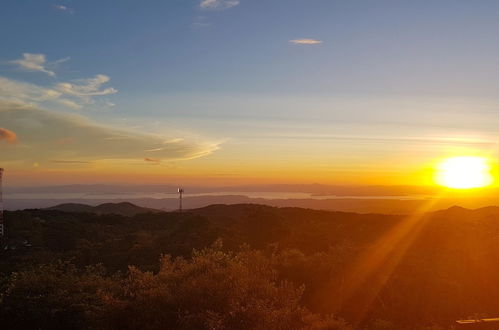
<point>464,172</point>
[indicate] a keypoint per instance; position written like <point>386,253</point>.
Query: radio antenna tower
<point>2,227</point>
<point>180,195</point>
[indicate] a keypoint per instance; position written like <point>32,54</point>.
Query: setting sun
<point>464,172</point>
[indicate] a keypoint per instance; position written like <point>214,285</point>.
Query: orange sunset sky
<point>222,93</point>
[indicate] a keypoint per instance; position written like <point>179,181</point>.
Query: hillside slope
<point>123,208</point>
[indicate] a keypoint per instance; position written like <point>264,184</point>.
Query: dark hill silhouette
<point>124,208</point>
<point>73,207</point>
<point>429,268</point>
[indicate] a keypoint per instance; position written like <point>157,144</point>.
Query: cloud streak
<point>7,135</point>
<point>85,88</point>
<point>305,41</point>
<point>218,4</point>
<point>40,133</point>
<point>64,8</point>
<point>33,62</point>
<point>74,94</point>
<point>14,90</point>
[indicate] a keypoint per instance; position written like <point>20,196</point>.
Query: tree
<point>213,290</point>
<point>54,296</point>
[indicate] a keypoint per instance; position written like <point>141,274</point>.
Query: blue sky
<point>369,46</point>
<point>225,75</point>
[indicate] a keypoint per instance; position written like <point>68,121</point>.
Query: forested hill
<point>123,208</point>
<point>390,272</point>
<point>142,238</point>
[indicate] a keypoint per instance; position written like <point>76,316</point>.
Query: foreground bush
<point>212,290</point>
<point>55,296</point>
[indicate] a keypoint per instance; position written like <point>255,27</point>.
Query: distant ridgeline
<point>124,208</point>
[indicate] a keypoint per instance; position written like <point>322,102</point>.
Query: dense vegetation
<point>248,267</point>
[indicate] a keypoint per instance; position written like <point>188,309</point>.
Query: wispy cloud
<point>22,92</point>
<point>152,160</point>
<point>13,90</point>
<point>69,162</point>
<point>86,88</point>
<point>306,41</point>
<point>33,62</point>
<point>59,61</point>
<point>201,22</point>
<point>37,63</point>
<point>218,4</point>
<point>64,8</point>
<point>40,133</point>
<point>7,135</point>
<point>69,103</point>
<point>75,94</point>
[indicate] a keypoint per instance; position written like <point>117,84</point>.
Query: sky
<point>221,92</point>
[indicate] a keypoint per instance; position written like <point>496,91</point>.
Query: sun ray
<point>368,274</point>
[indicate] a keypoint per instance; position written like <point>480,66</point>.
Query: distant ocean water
<point>264,195</point>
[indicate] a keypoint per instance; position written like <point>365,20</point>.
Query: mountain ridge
<point>122,208</point>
